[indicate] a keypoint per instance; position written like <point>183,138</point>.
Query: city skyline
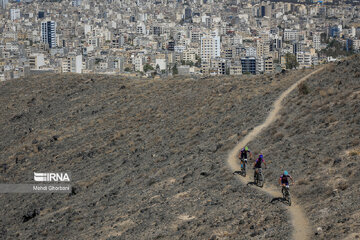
<point>163,38</point>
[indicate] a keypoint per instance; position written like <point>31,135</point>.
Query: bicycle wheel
<point>260,179</point>
<point>283,193</point>
<point>288,198</point>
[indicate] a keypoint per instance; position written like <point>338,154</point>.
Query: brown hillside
<point>317,139</point>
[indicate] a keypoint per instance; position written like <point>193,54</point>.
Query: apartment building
<point>316,41</point>
<point>189,55</point>
<point>291,35</point>
<point>236,69</point>
<point>218,65</point>
<point>248,65</point>
<point>268,65</point>
<point>210,48</point>
<point>14,14</point>
<point>36,61</point>
<point>304,59</point>
<point>73,63</point>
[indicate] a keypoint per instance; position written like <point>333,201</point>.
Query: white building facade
<point>210,48</point>
<point>14,14</point>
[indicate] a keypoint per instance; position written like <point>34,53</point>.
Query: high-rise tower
<point>48,33</point>
<point>4,3</point>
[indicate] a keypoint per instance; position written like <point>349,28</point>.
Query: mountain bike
<point>259,178</point>
<point>243,167</point>
<point>286,194</point>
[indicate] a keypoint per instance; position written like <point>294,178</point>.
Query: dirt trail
<point>300,224</point>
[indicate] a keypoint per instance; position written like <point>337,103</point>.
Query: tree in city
<point>291,61</point>
<point>97,61</point>
<point>148,67</point>
<point>175,70</point>
<point>190,63</point>
<point>324,38</point>
<point>335,49</point>
<point>198,61</point>
<point>227,71</point>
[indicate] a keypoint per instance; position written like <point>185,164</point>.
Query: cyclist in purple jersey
<point>284,179</point>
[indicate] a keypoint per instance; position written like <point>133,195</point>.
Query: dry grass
<point>88,133</point>
<point>331,91</point>
<point>93,180</point>
<point>323,93</point>
<point>303,182</point>
<point>354,151</point>
<point>182,195</point>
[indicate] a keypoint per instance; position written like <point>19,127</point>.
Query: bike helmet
<point>261,156</point>
<point>286,173</point>
<point>246,148</point>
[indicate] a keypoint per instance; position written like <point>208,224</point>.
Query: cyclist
<point>284,179</point>
<point>257,165</point>
<point>243,155</point>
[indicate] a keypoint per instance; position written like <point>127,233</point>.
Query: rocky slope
<point>317,139</point>
<point>147,157</point>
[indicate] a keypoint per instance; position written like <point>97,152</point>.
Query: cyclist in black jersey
<point>243,154</point>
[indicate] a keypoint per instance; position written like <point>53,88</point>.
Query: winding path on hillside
<point>300,224</point>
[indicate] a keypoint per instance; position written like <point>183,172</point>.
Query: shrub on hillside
<point>343,185</point>
<point>332,68</point>
<point>303,89</point>
<point>303,182</point>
